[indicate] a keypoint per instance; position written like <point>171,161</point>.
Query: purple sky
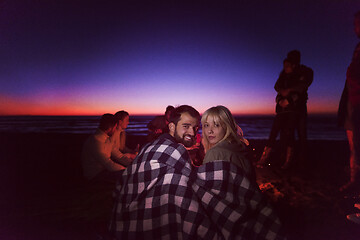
<point>92,57</point>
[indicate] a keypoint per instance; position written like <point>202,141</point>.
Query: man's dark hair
<point>176,113</point>
<point>294,56</point>
<point>169,108</point>
<point>120,115</point>
<point>291,61</point>
<point>107,121</point>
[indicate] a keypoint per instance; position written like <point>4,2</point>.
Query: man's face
<point>357,27</point>
<point>185,130</point>
<point>124,123</point>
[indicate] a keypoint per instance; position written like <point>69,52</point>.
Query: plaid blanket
<point>161,196</point>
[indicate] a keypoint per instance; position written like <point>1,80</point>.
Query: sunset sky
<point>91,57</point>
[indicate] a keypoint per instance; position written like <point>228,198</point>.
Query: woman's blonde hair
<point>223,116</point>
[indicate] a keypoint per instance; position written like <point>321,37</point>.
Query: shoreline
<point>44,193</point>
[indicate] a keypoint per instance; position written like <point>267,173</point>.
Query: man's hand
<point>130,155</point>
<point>284,92</point>
<point>284,103</point>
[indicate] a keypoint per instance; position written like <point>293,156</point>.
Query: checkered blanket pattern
<point>161,196</point>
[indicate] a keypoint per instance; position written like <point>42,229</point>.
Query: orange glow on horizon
<point>10,106</point>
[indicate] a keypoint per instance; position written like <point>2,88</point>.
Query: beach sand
<point>43,195</point>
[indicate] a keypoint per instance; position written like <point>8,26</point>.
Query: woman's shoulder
<point>230,146</point>
<point>224,150</point>
<point>220,147</point>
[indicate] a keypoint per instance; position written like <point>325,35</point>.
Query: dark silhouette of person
<point>349,118</point>
<point>304,78</point>
<point>349,114</point>
<point>287,113</point>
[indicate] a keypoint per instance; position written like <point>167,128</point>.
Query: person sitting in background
<point>159,124</point>
<point>121,153</point>
<point>223,139</point>
<point>97,151</point>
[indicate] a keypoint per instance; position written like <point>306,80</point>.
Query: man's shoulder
<point>100,136</point>
<point>166,150</point>
<point>167,141</point>
<point>303,68</point>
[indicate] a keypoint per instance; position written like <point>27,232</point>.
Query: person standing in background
<point>306,77</point>
<point>349,117</point>
<point>299,85</point>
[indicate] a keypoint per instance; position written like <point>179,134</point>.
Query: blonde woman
<point>223,139</point>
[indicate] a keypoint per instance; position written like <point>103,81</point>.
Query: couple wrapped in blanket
<point>161,195</point>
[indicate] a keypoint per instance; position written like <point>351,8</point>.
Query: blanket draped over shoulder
<point>162,196</point>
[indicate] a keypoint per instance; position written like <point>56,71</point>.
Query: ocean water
<point>320,127</point>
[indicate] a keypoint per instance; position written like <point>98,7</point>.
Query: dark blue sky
<point>91,57</point>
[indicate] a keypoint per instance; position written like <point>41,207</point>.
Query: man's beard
<point>186,143</point>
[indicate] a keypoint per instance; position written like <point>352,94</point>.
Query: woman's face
<point>213,131</point>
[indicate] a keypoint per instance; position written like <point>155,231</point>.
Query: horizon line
<point>140,115</point>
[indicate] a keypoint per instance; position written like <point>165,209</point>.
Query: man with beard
<point>162,196</point>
